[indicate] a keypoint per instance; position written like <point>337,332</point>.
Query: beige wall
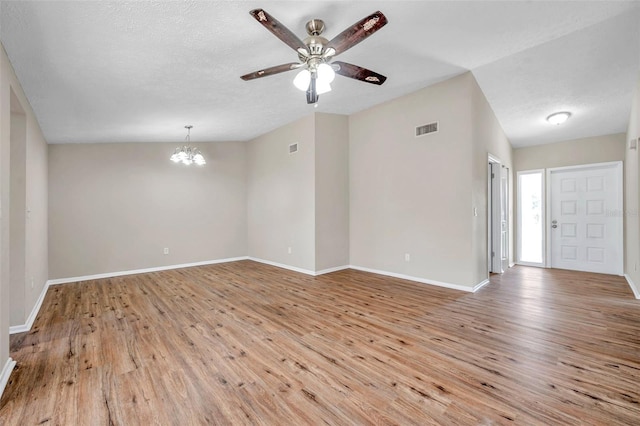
<point>115,207</point>
<point>281,195</point>
<point>17,301</point>
<point>488,138</point>
<point>413,194</point>
<point>332,190</point>
<point>632,188</point>
<point>598,149</point>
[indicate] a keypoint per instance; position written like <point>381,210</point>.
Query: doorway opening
<point>498,216</point>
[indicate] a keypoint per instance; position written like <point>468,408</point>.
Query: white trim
<point>547,215</point>
<point>420,280</point>
<point>543,208</point>
<point>586,166</point>
<point>329,270</point>
<point>142,271</point>
<point>480,285</point>
<point>491,159</point>
<point>32,316</point>
<point>634,287</point>
<point>512,264</point>
<point>6,372</point>
<point>282,265</point>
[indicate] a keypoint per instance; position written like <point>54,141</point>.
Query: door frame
<point>493,219</point>
<point>618,166</point>
<point>543,200</point>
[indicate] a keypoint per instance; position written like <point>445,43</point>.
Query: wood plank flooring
<point>246,343</point>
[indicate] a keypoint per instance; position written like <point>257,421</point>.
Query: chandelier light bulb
<point>176,156</point>
<point>199,159</point>
<point>302,80</point>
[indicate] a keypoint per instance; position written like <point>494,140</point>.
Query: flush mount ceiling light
<point>187,154</point>
<point>558,118</point>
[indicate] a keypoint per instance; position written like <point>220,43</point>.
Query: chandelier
<point>187,154</point>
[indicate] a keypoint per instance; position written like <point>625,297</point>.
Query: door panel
<point>585,235</point>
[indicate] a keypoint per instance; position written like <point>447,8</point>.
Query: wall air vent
<point>426,129</point>
<point>293,148</point>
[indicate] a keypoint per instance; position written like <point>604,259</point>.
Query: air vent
<point>426,129</point>
<point>293,148</point>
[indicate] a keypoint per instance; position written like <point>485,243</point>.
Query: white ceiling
<point>139,71</point>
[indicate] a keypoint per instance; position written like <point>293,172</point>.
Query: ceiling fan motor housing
<point>315,27</point>
<point>315,43</point>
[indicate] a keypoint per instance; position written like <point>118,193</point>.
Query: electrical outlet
<point>407,257</point>
<point>289,250</point>
<point>166,250</point>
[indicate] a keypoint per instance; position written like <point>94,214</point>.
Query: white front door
<point>586,218</point>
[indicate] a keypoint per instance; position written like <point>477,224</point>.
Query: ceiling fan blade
<point>357,32</point>
<point>271,71</point>
<point>358,73</point>
<point>279,30</point>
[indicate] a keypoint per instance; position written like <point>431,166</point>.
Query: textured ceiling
<point>139,71</point>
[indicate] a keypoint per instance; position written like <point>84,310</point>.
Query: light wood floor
<point>245,343</point>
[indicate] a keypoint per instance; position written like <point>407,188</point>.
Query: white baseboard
<point>420,280</point>
<point>480,285</point>
<point>142,271</point>
<point>32,316</point>
<point>533,265</point>
<point>329,270</point>
<point>6,372</point>
<point>283,266</point>
<point>634,287</point>
<point>301,270</point>
<point>266,262</point>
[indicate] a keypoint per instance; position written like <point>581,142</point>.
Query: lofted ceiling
<point>99,71</point>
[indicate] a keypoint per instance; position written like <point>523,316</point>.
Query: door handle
<point>554,226</point>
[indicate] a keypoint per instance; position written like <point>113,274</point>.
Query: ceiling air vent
<point>293,148</point>
<point>426,129</point>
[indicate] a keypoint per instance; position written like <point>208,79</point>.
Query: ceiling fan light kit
<point>316,52</point>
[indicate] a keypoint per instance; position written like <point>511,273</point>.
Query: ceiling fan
<point>316,52</point>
